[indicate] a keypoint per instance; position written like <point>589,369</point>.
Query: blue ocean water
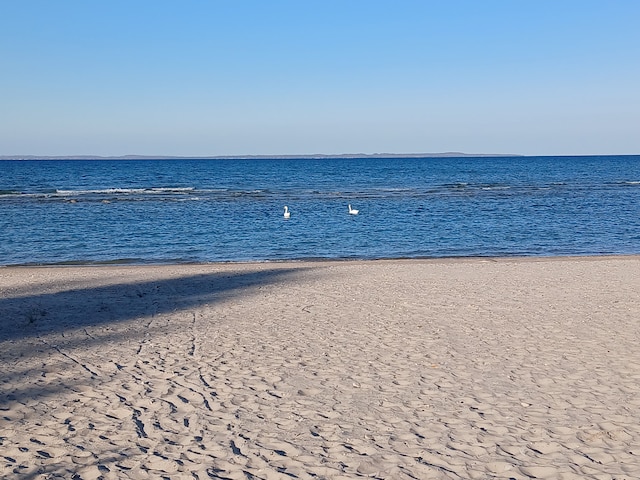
<point>160,211</point>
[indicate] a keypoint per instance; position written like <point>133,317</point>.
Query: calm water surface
<point>158,211</point>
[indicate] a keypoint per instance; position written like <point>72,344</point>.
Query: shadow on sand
<point>35,324</point>
<point>60,339</point>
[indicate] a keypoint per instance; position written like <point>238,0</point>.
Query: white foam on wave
<point>172,189</point>
<point>125,191</point>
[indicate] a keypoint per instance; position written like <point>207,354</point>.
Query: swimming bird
<point>352,211</point>
<point>287,213</point>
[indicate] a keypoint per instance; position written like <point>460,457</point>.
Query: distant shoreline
<point>256,157</point>
<point>318,156</point>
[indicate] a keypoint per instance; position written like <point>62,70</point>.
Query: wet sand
<point>436,369</point>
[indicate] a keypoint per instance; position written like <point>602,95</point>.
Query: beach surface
<point>423,369</point>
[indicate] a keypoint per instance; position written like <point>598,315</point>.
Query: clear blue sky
<point>236,77</point>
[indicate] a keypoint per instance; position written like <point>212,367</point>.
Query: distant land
<point>265,157</point>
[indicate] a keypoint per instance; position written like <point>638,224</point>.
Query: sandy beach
<point>424,369</point>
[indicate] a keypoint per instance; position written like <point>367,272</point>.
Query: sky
<point>287,77</point>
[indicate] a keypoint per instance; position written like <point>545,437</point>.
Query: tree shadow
<point>31,314</point>
<point>44,322</point>
<point>47,326</point>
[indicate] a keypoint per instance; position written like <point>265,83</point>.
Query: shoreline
<point>492,258</point>
<point>483,367</point>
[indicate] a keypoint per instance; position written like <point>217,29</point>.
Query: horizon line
<point>291,156</point>
<point>240,156</point>
<point>450,154</point>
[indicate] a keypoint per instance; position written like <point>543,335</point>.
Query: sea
<point>148,211</point>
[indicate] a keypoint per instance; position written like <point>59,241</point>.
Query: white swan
<point>287,213</point>
<point>352,211</point>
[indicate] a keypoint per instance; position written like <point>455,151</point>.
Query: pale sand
<point>459,369</point>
